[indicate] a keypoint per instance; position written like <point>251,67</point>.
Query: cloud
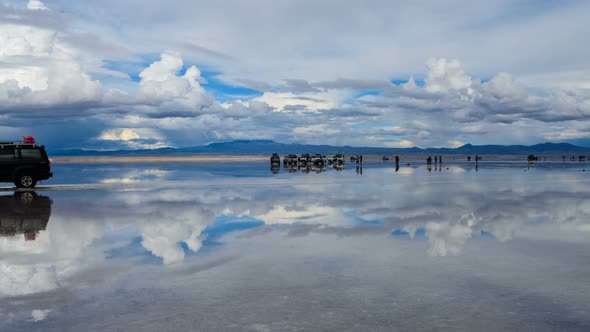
<point>119,135</point>
<point>36,5</point>
<point>39,315</point>
<point>455,144</point>
<point>445,75</point>
<point>38,70</point>
<point>298,86</point>
<point>404,143</point>
<point>160,85</point>
<point>133,138</point>
<point>78,64</point>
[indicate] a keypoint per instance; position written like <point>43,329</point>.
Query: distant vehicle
<point>304,158</point>
<point>275,159</point>
<point>290,159</point>
<point>338,159</point>
<point>24,163</point>
<point>318,159</point>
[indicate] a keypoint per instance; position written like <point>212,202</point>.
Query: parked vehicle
<point>304,158</point>
<point>338,159</point>
<point>318,159</point>
<point>24,164</point>
<point>290,160</point>
<point>275,160</point>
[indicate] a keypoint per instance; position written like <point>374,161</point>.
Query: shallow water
<point>232,246</point>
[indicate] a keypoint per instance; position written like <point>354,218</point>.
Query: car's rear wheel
<point>25,181</point>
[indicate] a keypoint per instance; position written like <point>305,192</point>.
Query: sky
<point>149,74</point>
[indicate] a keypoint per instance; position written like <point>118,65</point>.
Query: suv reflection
<point>24,213</point>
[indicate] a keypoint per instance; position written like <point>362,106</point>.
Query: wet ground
<point>238,246</point>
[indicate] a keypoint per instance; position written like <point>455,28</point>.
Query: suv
<point>23,164</point>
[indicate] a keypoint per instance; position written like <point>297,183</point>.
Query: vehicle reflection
<point>24,213</point>
<point>306,168</point>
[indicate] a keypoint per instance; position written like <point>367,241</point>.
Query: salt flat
<point>234,246</point>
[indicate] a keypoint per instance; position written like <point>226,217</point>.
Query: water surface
<point>234,246</point>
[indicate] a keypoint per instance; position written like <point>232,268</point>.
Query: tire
<point>25,181</point>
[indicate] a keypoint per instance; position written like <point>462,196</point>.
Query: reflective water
<point>236,247</point>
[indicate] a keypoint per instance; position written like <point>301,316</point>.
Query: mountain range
<point>265,147</point>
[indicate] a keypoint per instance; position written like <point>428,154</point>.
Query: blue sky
<point>122,75</point>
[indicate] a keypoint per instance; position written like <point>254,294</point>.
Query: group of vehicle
<point>306,160</point>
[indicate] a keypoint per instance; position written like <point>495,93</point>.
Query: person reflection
<point>24,213</point>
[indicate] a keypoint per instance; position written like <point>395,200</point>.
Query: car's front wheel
<point>25,181</point>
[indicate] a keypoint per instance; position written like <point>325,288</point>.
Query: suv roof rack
<point>16,144</point>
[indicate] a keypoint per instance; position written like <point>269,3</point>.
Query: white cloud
<point>160,84</point>
<point>39,315</point>
<point>312,101</point>
<point>455,144</point>
<point>36,5</point>
<point>445,75</point>
<point>38,69</point>
<point>134,138</point>
<point>162,70</point>
<point>314,130</point>
<point>404,143</point>
<point>125,134</point>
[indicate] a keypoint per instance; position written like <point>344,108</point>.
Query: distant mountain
<point>264,147</point>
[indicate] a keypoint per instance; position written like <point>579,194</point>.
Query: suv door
<point>8,162</point>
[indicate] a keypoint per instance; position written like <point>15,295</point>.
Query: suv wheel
<point>25,181</point>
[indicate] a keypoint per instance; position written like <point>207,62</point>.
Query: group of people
<point>429,160</point>
<point>580,158</point>
<point>359,164</point>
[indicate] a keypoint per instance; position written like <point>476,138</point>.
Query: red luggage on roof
<point>28,140</point>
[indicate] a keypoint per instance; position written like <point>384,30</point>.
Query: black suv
<point>23,164</point>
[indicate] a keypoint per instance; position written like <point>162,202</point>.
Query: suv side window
<point>31,154</point>
<point>7,154</point>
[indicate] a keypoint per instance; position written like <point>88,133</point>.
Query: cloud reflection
<point>172,224</point>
